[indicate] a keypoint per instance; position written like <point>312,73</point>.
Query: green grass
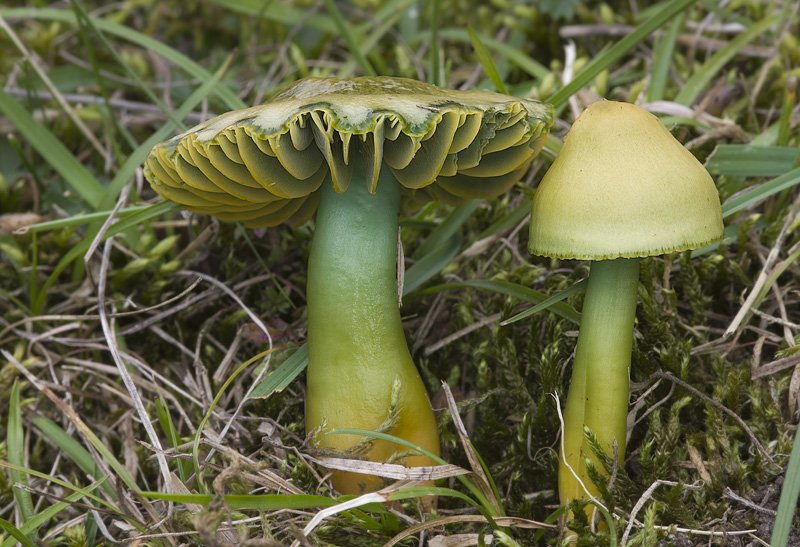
<point>77,463</point>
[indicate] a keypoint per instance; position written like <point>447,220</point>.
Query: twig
<point>747,503</point>
<point>776,366</point>
<point>449,339</point>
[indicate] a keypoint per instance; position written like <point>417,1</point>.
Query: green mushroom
<point>362,152</point>
<point>621,188</point>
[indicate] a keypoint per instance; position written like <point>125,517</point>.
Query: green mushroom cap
<point>623,186</point>
<point>264,165</point>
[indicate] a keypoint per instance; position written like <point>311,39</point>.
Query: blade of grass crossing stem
<point>444,231</point>
<point>54,153</point>
<point>789,495</point>
<point>196,444</point>
<point>15,444</point>
<point>605,59</point>
<point>662,60</point>
<point>73,449</point>
<point>550,303</point>
<point>349,36</point>
<point>486,61</point>
<point>168,427</point>
<point>512,218</point>
<point>431,264</point>
<point>284,374</point>
<point>702,77</point>
<point>521,292</point>
<point>435,75</point>
<point>227,95</point>
<point>787,180</point>
<point>80,249</point>
<point>16,534</point>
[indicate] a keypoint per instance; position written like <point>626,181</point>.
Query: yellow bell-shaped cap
<point>623,186</point>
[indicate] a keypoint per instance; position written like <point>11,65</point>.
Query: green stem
<point>598,394</point>
<point>360,372</point>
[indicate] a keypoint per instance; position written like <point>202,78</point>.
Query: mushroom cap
<point>623,186</point>
<point>264,165</point>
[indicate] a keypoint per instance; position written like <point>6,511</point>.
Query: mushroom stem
<point>598,393</point>
<point>360,372</point>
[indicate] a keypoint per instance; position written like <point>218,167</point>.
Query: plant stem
<point>360,372</point>
<point>598,393</point>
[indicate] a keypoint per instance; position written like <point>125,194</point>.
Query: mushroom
<point>402,143</point>
<point>621,188</point>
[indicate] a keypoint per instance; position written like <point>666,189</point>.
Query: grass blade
<point>284,374</point>
<point>54,153</point>
<point>662,60</point>
<point>701,79</point>
<point>605,59</point>
<point>95,441</point>
<point>515,56</point>
<point>165,420</point>
<point>746,160</point>
<point>82,492</point>
<point>263,502</point>
<point>280,12</point>
<point>73,449</point>
<point>486,60</point>
<point>349,35</point>
<point>77,251</point>
<point>43,516</point>
<point>743,201</point>
<point>15,533</point>
<point>789,495</point>
<point>447,228</point>
<point>435,75</point>
<point>15,443</point>
<point>196,444</point>
<point>83,18</point>
<point>518,291</point>
<point>232,101</point>
<point>509,220</point>
<point>787,107</point>
<point>550,303</point>
<point>138,156</point>
<point>431,264</point>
